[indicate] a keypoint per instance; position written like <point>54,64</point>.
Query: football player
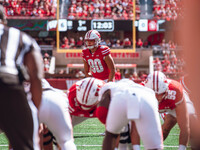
<point>97,58</point>
<point>54,114</point>
<point>81,102</point>
<point>173,102</point>
<point>123,101</point>
<point>83,106</point>
<point>99,63</point>
<point>83,99</point>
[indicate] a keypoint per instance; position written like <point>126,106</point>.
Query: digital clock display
<point>103,25</point>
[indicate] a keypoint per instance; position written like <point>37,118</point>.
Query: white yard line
<point>100,133</point>
<point>88,133</point>
<point>100,146</point>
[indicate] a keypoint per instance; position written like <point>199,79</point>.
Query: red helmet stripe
<point>154,81</point>
<point>85,90</point>
<point>89,91</point>
<point>157,81</point>
<point>89,33</point>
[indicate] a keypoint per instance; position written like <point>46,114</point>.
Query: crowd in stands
<point>95,9</point>
<point>169,61</point>
<point>170,64</point>
<point>167,47</point>
<point>102,9</point>
<point>130,74</point>
<point>119,74</point>
<point>46,61</point>
<point>122,9</point>
<point>134,75</point>
<point>112,43</point>
<point>167,9</point>
<point>34,8</point>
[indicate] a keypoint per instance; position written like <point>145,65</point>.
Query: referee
<point>18,119</point>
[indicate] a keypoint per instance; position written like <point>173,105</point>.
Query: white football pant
<point>54,113</point>
<point>148,123</point>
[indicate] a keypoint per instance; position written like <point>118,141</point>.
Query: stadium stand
<point>30,8</point>
<point>99,9</point>
<point>168,9</point>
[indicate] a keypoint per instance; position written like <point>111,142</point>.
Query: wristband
<point>182,147</point>
<point>136,147</point>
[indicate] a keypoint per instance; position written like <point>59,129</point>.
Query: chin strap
<point>90,47</point>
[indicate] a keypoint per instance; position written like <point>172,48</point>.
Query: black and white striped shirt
<point>14,44</point>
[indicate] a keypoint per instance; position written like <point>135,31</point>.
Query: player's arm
<point>102,108</point>
<point>33,61</point>
<point>169,123</point>
<point>86,68</point>
<point>183,122</point>
<point>109,141</point>
<point>111,66</point>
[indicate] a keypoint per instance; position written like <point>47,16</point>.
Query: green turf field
<point>87,137</point>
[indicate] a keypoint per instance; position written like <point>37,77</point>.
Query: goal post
<point>63,50</point>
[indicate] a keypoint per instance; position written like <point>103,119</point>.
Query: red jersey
<point>173,97</point>
<point>98,66</point>
<point>74,106</point>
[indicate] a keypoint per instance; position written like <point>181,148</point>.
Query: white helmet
<point>157,81</point>
<point>92,35</point>
<point>87,92</point>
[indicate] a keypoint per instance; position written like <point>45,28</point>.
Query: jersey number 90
<point>95,65</point>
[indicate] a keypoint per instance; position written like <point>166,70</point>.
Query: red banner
<point>125,55</point>
<point>74,55</point>
<point>114,55</point>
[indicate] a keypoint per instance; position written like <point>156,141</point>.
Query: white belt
<point>9,70</point>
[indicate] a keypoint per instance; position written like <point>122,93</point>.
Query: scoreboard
<point>103,25</point>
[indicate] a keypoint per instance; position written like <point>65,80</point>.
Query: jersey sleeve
<point>179,92</point>
<point>84,53</point>
<point>72,96</point>
<point>105,50</point>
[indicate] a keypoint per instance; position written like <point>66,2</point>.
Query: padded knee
<point>69,145</point>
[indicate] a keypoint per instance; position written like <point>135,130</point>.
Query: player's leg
<point>58,119</point>
<point>117,114</point>
<point>18,122</point>
<point>47,138</point>
<point>148,125</point>
<point>194,130</point>
<point>135,138</point>
<point>115,121</point>
<point>125,138</point>
<point>194,134</point>
<point>109,141</point>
